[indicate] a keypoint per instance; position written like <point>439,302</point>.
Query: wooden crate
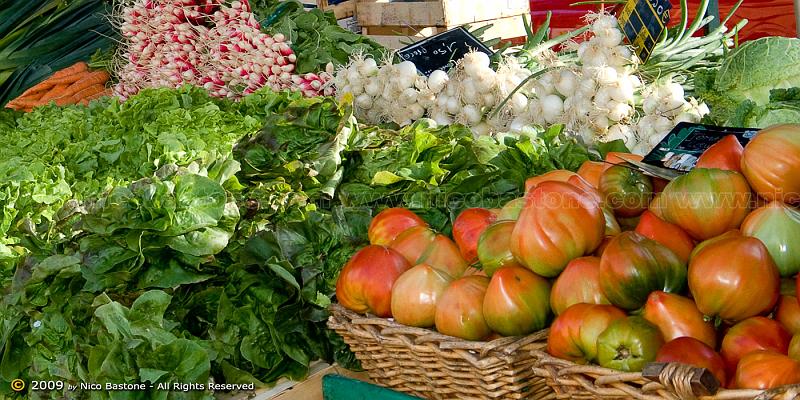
<point>341,10</point>
<point>397,36</point>
<point>437,12</point>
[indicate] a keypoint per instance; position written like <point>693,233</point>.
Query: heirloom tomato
<point>626,191</point>
<point>365,283</point>
<point>705,202</point>
<point>628,344</point>
<point>725,154</point>
<point>677,316</point>
<point>443,255</point>
<point>459,311</point>
<point>766,370</point>
<point>592,170</point>
<point>778,226</point>
<point>415,294</point>
<point>467,228</point>
<point>788,313</point>
<point>688,350</point>
<point>391,222</point>
<point>771,163</point>
<point>633,266</point>
<point>412,243</point>
<point>516,302</point>
<point>753,334</point>
<point>733,278</point>
<point>494,251</point>
<point>573,335</point>
<point>670,235</point>
<point>578,283</point>
<point>558,224</point>
<point>559,175</point>
<point>510,211</point>
<point>794,347</point>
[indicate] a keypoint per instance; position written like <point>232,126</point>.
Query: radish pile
<point>209,43</point>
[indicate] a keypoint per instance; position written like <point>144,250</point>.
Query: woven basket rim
<point>506,344</point>
<point>674,380</point>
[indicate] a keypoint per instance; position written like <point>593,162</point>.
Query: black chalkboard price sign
<point>643,22</point>
<point>442,50</point>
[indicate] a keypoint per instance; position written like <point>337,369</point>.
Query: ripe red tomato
<point>573,335</point>
<point>578,283</point>
<point>459,311</point>
<point>633,266</point>
<point>778,226</point>
<point>516,302</point>
<point>733,278</point>
<point>365,283</point>
<point>677,316</point>
<point>443,255</point>
<point>494,247</point>
<point>413,242</point>
<point>788,313</point>
<point>559,175</point>
<point>771,163</point>
<point>558,224</point>
<point>705,202</point>
<point>690,351</point>
<point>753,334</point>
<point>725,154</point>
<point>391,222</point>
<point>766,370</point>
<point>627,191</point>
<point>591,171</point>
<point>415,293</point>
<point>670,235</point>
<point>467,228</point>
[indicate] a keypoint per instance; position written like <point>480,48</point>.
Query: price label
<point>442,51</point>
<point>643,22</point>
<point>678,152</point>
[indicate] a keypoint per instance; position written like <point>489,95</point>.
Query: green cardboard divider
<point>337,387</point>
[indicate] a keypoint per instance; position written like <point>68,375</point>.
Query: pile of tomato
<point>625,269</point>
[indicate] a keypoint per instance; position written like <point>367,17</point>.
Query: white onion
<point>552,108</point>
<point>437,81</point>
<point>566,83</point>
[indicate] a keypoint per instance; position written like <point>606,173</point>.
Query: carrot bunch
<point>71,85</point>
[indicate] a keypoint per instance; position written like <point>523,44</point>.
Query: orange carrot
<point>86,92</point>
<point>80,66</point>
<point>55,92</point>
<point>39,89</point>
<point>89,79</point>
<point>107,92</point>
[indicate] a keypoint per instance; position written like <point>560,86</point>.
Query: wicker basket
<point>656,382</point>
<point>428,364</point>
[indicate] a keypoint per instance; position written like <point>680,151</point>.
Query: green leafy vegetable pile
<point>181,238</point>
<point>756,86</point>
<point>316,37</point>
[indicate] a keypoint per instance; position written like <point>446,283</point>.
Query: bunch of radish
<point>209,43</point>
